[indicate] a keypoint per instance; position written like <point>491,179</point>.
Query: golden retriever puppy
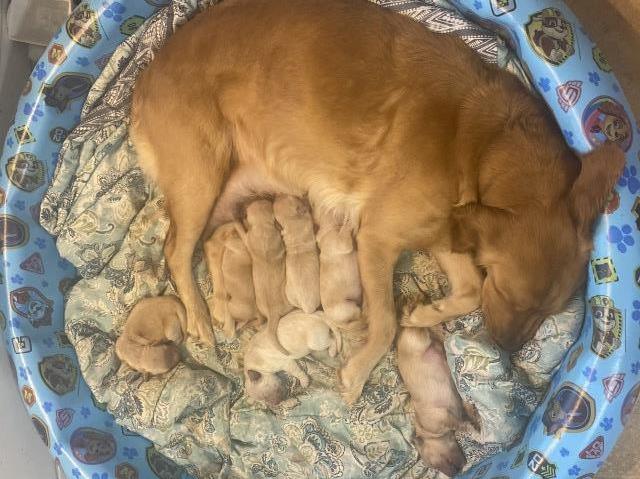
<point>229,265</point>
<point>302,266</point>
<point>267,252</point>
<point>300,334</point>
<point>376,119</point>
<point>438,407</point>
<point>340,288</point>
<point>237,273</point>
<point>149,339</point>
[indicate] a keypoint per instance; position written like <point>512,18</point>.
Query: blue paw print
<point>635,367</point>
<point>47,406</point>
<point>115,11</point>
<point>35,113</point>
<point>564,452</point>
<point>20,205</point>
<point>503,465</point>
<point>9,142</point>
<point>477,4</point>
<point>590,374</point>
<point>44,284</point>
<point>82,61</point>
<point>75,472</point>
<point>104,475</point>
<point>85,412</point>
<point>130,452</point>
<point>594,78</point>
<point>630,179</point>
<point>15,322</point>
<point>39,72</point>
<point>23,373</point>
<point>544,83</point>
<point>606,423</point>
<point>58,448</point>
<point>40,243</point>
<point>17,279</point>
<point>621,237</point>
<point>574,471</point>
<point>568,136</point>
<point>636,310</point>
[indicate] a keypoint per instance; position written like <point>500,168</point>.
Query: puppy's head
<point>270,388</point>
<point>535,256</point>
<point>442,453</point>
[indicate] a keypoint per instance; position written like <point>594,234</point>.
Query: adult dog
<point>387,125</point>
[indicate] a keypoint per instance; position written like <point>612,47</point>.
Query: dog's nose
<point>254,375</point>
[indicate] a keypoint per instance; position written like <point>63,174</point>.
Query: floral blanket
<point>110,223</point>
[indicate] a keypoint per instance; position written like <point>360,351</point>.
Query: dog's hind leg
<point>376,259</point>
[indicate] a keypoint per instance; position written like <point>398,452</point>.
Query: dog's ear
<point>599,173</point>
<point>475,224</point>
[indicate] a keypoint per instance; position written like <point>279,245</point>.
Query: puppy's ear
<point>599,173</point>
<point>474,224</point>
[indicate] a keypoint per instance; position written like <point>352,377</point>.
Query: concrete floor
<point>615,26</point>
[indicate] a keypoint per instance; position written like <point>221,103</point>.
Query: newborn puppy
<point>302,266</point>
<point>214,249</point>
<point>238,280</point>
<point>267,252</point>
<point>300,334</point>
<point>340,289</point>
<point>439,409</point>
<point>153,328</point>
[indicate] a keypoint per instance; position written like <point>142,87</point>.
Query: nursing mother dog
<point>404,133</point>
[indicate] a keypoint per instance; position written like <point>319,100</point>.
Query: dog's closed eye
<point>254,376</point>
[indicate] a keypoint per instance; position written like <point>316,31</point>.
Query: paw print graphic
<point>630,179</point>
<point>82,61</point>
<point>606,423</point>
<point>594,78</point>
<point>574,471</point>
<point>39,72</point>
<point>568,136</point>
<point>544,83</point>
<point>621,237</point>
<point>564,452</point>
<point>115,11</point>
<point>636,310</point>
<point>590,374</point>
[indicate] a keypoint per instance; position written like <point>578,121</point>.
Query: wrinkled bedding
<point>110,223</point>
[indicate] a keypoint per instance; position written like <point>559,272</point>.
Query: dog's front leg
<point>376,259</point>
<point>296,371</point>
<point>466,285</point>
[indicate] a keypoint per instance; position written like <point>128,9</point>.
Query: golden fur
<point>373,117</point>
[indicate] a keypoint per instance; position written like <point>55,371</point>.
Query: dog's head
<point>534,251</point>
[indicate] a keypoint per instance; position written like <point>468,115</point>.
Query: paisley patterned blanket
<point>110,223</point>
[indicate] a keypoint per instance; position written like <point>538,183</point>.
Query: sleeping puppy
<point>376,120</point>
<point>267,252</point>
<point>340,288</point>
<point>302,267</point>
<point>229,264</point>
<point>300,334</point>
<point>149,337</point>
<point>438,407</point>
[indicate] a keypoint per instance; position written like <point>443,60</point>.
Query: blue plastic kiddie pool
<point>590,398</point>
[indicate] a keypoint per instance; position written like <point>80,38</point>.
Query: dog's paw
<point>351,383</point>
<point>199,328</point>
<point>424,316</point>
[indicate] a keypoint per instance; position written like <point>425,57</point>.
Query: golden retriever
<point>370,115</point>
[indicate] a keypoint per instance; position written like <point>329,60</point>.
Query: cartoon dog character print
<point>551,36</point>
<point>606,119</point>
<point>26,171</point>
<point>607,326</point>
<point>570,409</point>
